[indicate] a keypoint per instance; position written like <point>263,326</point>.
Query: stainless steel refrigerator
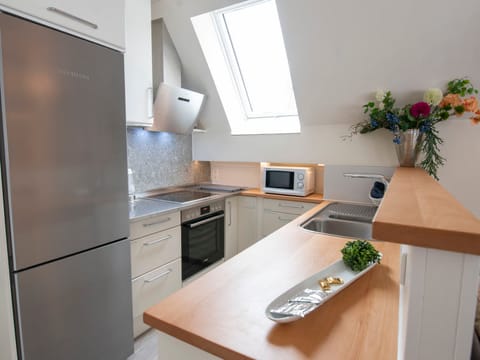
<point>64,178</point>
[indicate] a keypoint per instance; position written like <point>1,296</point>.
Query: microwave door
<point>278,179</point>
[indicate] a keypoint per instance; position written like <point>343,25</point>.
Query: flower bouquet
<point>424,115</point>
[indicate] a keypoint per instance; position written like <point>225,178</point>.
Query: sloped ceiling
<point>342,51</point>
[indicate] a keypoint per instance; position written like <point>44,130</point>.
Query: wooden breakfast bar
<point>440,265</point>
<point>222,314</point>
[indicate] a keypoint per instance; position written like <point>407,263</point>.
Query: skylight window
<point>244,48</point>
<point>253,40</point>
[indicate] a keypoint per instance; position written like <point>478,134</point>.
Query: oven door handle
<point>205,221</point>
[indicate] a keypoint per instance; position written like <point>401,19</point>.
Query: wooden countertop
<point>312,198</point>
<point>418,211</point>
<point>223,312</point>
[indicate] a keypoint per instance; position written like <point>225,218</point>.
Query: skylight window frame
<point>234,66</point>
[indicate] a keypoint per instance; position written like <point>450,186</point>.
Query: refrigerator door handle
<point>163,274</point>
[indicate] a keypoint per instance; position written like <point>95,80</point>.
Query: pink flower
<point>420,110</point>
<point>471,104</point>
<point>476,119</point>
<point>451,99</point>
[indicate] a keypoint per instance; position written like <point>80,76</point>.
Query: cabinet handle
<point>72,17</point>
<point>153,242</point>
<point>403,269</point>
<point>150,102</point>
<point>165,273</point>
<point>229,213</point>
<point>157,222</point>
<point>291,206</point>
<point>283,219</point>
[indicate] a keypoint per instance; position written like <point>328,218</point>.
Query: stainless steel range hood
<point>175,109</point>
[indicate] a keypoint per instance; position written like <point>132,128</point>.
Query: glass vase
<point>409,147</point>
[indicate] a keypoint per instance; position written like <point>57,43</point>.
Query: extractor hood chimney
<point>175,109</point>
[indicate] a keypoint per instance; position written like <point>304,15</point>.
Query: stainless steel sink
<point>343,219</point>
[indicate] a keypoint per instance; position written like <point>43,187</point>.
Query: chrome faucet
<point>378,177</point>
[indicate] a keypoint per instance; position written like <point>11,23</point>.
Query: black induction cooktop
<point>182,196</point>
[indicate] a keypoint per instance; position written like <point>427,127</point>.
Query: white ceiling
<point>340,52</point>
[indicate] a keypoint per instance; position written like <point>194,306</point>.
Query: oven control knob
<point>300,185</point>
<point>300,176</point>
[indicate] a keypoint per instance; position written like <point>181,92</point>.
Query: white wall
<point>339,54</point>
<point>339,187</point>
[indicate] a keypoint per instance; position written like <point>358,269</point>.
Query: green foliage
<point>460,109</point>
<point>359,254</point>
<point>443,114</point>
<point>461,87</point>
<point>430,147</point>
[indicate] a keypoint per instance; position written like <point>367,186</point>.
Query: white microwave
<point>297,181</point>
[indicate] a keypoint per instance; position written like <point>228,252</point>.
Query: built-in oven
<point>203,237</point>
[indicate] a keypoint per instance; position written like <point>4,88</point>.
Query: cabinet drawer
<point>150,251</point>
<point>275,220</point>
<point>153,224</point>
<point>149,289</point>
<point>286,206</point>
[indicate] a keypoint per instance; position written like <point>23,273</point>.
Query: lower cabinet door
<point>150,288</point>
<point>275,220</point>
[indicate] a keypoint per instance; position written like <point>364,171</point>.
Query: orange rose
<point>470,104</point>
<point>451,99</point>
<point>476,119</point>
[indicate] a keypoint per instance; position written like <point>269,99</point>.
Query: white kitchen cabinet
<point>150,288</point>
<point>258,217</point>
<point>277,213</point>
<point>274,220</point>
<point>99,21</point>
<point>156,262</point>
<point>248,221</point>
<point>231,227</point>
<point>138,63</point>
<point>287,206</point>
<point>152,250</point>
<point>153,224</point>
<point>438,298</point>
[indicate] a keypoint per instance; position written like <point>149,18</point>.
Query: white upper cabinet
<point>138,63</point>
<point>100,21</point>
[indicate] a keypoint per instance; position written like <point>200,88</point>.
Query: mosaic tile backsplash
<point>160,159</point>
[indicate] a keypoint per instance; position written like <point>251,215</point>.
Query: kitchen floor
<point>146,347</point>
